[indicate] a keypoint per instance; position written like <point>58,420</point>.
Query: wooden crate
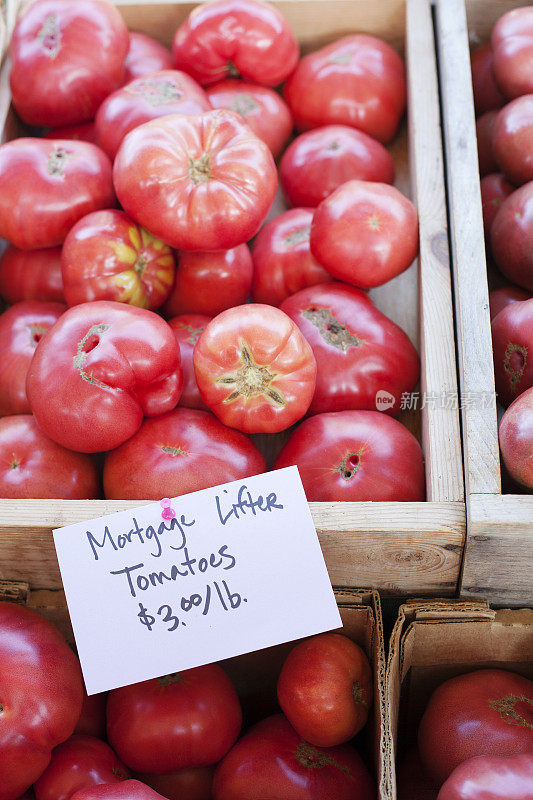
<point>397,547</point>
<point>498,561</point>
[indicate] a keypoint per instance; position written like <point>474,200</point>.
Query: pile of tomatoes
<point>502,74</point>
<point>137,236</point>
<point>178,735</point>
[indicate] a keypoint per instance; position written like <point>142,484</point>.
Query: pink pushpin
<point>168,512</point>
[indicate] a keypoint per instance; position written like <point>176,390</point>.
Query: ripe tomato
<point>484,129</point>
<point>236,38</point>
<point>188,719</point>
<point>26,455</point>
<point>325,689</point>
<point>145,98</point>
<point>365,233</point>
<point>208,283</point>
<point>107,256</point>
<point>516,439</point>
<point>494,190</point>
<point>31,275</point>
<point>486,712</point>
<point>358,81</point>
<point>21,328</point>
<point>265,111</point>
<point>176,453</point>
<point>188,784</point>
<point>79,763</point>
<point>359,351</point>
<point>511,237</point>
<point>504,296</point>
<point>41,695</point>
<point>512,343</point>
<point>85,131</point>
<point>512,139</point>
<point>319,161</point>
<point>283,262</point>
<point>357,456</point>
<point>125,790</point>
<point>487,95</point>
<point>187,329</point>
<point>272,761</point>
<point>254,369</point>
<point>512,52</point>
<point>66,58</point>
<point>145,55</point>
<point>98,369</point>
<point>92,717</point>
<point>491,778</point>
<point>46,186</point>
<point>198,183</point>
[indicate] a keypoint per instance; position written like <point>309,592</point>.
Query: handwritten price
<point>214,593</point>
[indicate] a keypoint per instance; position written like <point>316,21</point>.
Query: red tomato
<point>31,275</point>
<point>486,712</point>
<point>208,283</point>
<point>357,456</point>
<point>512,139</point>
<point>78,763</point>
<point>484,129</point>
<point>491,778</point>
<point>512,343</point>
<point>512,52</point>
<point>26,455</point>
<point>511,237</point>
<point>46,186</point>
<point>145,55</point>
<point>504,296</point>
<point>21,328</point>
<point>107,256</point>
<point>494,190</point>
<point>98,369</point>
<point>487,96</point>
<point>86,132</point>
<point>516,439</point>
<point>319,161</point>
<point>145,98</point>
<point>187,329</point>
<point>360,353</point>
<point>188,784</point>
<point>176,453</point>
<point>41,695</point>
<point>125,790</point>
<point>271,761</point>
<point>265,111</point>
<point>198,183</point>
<point>325,689</point>
<point>365,233</point>
<point>283,262</point>
<point>66,58</point>
<point>236,38</point>
<point>358,81</point>
<point>92,717</point>
<point>188,719</point>
<point>254,369</point>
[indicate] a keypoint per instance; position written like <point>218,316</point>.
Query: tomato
<point>265,111</point>
<point>85,131</point>
<point>511,237</point>
<point>516,439</point>
<point>486,712</point>
<point>358,81</point>
<point>107,256</point>
<point>512,140</point>
<point>31,275</point>
<point>254,369</point>
<point>66,58</point>
<point>319,161</point>
<point>96,371</point>
<point>187,329</point>
<point>491,778</point>
<point>512,52</point>
<point>365,233</point>
<point>188,784</point>
<point>487,96</point>
<point>46,186</point>
<point>360,353</point>
<point>197,183</point>
<point>272,761</point>
<point>484,129</point>
<point>145,55</point>
<point>504,296</point>
<point>92,717</point>
<point>325,689</point>
<point>208,283</point>
<point>125,790</point>
<point>188,719</point>
<point>236,38</point>
<point>494,190</point>
<point>512,343</point>
<point>21,328</point>
<point>357,456</point>
<point>40,695</point>
<point>78,763</point>
<point>176,453</point>
<point>145,98</point>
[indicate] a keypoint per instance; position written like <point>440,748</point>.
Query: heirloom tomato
<point>98,369</point>
<point>325,689</point>
<point>486,712</point>
<point>484,128</point>
<point>92,717</point>
<point>357,456</point>
<point>516,439</point>
<point>511,237</point>
<point>40,695</point>
<point>512,52</point>
<point>85,132</point>
<point>494,190</point>
<point>47,185</point>
<point>491,778</point>
<point>512,139</point>
<point>66,58</point>
<point>512,344</point>
<point>196,182</point>
<point>187,328</point>
<point>236,38</point>
<point>254,369</point>
<point>145,55</point>
<point>125,790</point>
<point>107,256</point>
<point>187,784</point>
<point>31,275</point>
<point>487,95</point>
<point>504,296</point>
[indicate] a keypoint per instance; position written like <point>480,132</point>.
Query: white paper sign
<point>239,568</point>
